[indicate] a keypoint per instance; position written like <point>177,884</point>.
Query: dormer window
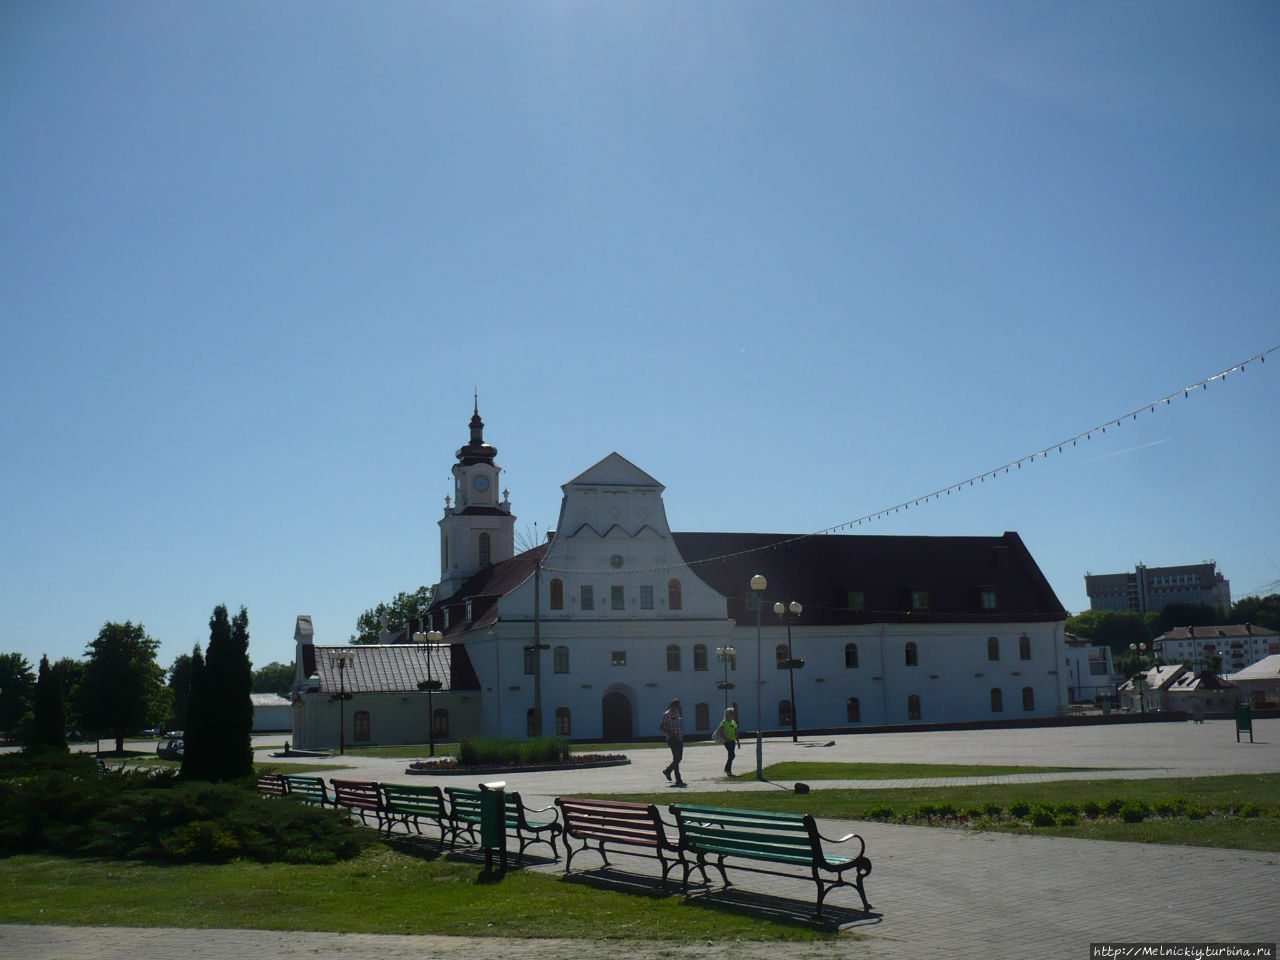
<point>919,599</point>
<point>988,599</point>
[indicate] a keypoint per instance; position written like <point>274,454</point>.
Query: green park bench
<point>308,789</point>
<point>413,803</point>
<point>761,836</point>
<point>464,815</point>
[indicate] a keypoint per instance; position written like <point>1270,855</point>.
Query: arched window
<point>913,654</point>
<point>673,657</point>
<point>1024,647</point>
<point>674,600</point>
<point>440,722</point>
<point>1028,698</point>
<point>699,656</point>
<point>361,722</point>
<point>564,726</point>
<point>997,700</point>
<point>913,707</point>
<point>853,710</point>
<point>851,656</point>
<point>780,654</point>
<point>560,656</point>
<point>784,713</point>
<point>530,723</point>
<point>530,660</point>
<point>484,550</point>
<point>557,594</point>
<point>993,648</point>
<point>701,717</point>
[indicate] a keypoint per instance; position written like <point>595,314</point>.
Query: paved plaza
<point>935,892</point>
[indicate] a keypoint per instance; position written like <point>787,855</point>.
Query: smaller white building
<point>1259,682</point>
<point>271,712</point>
<point>1091,672</point>
<point>1144,692</point>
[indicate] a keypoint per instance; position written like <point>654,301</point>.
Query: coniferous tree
<point>195,759</point>
<point>49,728</point>
<point>220,713</point>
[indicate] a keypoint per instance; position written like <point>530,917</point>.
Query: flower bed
<point>446,766</point>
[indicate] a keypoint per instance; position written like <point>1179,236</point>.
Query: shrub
<point>1112,807</point>
<point>884,813</point>
<point>974,813</point>
<point>139,816</point>
<point>1067,819</point>
<point>1019,808</point>
<point>501,752</point>
<point>992,809</point>
<point>1042,815</point>
<point>1067,809</point>
<point>1250,810</point>
<point>1134,811</point>
<point>1091,809</point>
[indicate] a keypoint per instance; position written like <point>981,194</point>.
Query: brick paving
<point>935,892</point>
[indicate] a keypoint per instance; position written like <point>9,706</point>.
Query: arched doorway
<point>616,707</point>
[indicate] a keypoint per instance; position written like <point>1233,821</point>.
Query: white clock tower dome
<point>477,529</point>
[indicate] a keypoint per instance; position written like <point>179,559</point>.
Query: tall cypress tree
<point>220,714</point>
<point>49,727</point>
<point>195,760</point>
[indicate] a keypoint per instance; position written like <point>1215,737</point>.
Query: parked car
<point>171,749</point>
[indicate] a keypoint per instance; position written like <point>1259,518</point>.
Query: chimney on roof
<point>303,632</point>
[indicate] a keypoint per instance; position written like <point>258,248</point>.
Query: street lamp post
<point>342,658</point>
<point>758,586</point>
<point>786,613</point>
<point>724,655</point>
<point>431,685</point>
<point>1139,651</point>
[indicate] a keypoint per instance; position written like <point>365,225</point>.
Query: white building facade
<point>615,615</point>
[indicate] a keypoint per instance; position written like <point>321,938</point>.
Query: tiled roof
<point>483,590</point>
<point>1268,668</point>
<point>1224,632</point>
<point>379,668</point>
<point>820,572</point>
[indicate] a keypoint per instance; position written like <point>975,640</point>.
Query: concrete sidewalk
<point>935,892</point>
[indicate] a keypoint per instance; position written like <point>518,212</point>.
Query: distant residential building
<point>1199,693</point>
<point>1151,589</point>
<point>1144,692</point>
<point>1091,673</point>
<point>1239,645</point>
<point>1260,682</point>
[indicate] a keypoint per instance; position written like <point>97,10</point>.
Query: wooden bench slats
<point>362,797</point>
<point>616,822</point>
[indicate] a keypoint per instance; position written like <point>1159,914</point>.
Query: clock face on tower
<point>481,483</point>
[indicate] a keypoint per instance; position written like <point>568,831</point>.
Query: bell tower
<point>477,529</point>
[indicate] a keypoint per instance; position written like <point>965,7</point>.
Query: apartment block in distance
<point>1151,589</point>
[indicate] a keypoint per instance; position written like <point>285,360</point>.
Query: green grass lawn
<point>1213,793</point>
<point>385,891</point>
<point>816,770</point>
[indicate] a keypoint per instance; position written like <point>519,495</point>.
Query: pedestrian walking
<point>672,726</point>
<point>727,734</point>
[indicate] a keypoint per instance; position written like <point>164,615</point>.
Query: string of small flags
<point>1003,469</point>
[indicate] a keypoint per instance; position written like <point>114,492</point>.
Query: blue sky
<point>799,262</point>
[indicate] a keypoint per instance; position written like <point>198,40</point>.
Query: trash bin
<point>493,822</point>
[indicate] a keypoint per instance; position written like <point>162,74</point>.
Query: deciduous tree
<point>404,611</point>
<point>123,688</point>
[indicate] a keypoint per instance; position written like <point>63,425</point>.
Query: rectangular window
<point>919,599</point>
<point>857,600</point>
<point>646,597</point>
<point>988,599</point>
<point>587,596</point>
<point>619,658</point>
<point>617,598</point>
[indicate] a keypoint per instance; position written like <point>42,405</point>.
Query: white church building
<point>591,634</point>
